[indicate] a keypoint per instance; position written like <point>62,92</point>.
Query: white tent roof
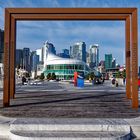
<point>53,60</point>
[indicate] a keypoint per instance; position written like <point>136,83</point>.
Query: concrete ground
<point>53,100</point>
<point>42,100</point>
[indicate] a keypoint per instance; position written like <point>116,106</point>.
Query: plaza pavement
<point>69,102</point>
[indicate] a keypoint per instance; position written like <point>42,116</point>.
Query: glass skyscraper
<point>48,47</point>
<point>34,61</point>
<point>78,51</point>
<point>19,58</point>
<point>64,54</point>
<point>94,55</point>
<point>108,61</point>
<point>26,59</point>
<point>113,63</point>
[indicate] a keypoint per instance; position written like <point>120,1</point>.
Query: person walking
<point>93,81</point>
<point>124,81</point>
<point>23,80</point>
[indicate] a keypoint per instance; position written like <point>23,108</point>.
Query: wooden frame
<point>129,15</point>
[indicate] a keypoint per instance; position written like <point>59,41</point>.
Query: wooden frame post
<point>127,57</point>
<point>6,86</point>
<point>127,14</point>
<point>134,60</point>
<point>12,58</point>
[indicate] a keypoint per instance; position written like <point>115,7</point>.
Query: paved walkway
<point>53,99</point>
<point>70,104</point>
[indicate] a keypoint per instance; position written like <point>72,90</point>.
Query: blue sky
<point>110,35</point>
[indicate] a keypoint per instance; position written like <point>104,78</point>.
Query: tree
<point>118,75</point>
<point>92,75</point>
<point>49,76</point>
<point>42,76</point>
<point>87,76</point>
<point>27,75</point>
<point>124,73</point>
<point>121,74</point>
<point>53,76</point>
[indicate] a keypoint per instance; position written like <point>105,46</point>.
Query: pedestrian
<point>23,80</point>
<point>124,81</point>
<point>113,81</point>
<point>116,83</point>
<point>93,81</point>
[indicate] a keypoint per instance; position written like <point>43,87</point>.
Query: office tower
<point>47,48</point>
<point>1,45</point>
<point>94,55</point>
<point>78,51</point>
<point>64,54</point>
<point>65,51</point>
<point>34,60</point>
<point>26,59</point>
<point>113,63</point>
<point>71,52</point>
<point>50,47</point>
<point>108,61</point>
<point>87,58</point>
<point>39,52</point>
<point>117,65</point>
<point>19,58</point>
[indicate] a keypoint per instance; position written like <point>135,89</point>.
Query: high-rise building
<point>94,55</point>
<point>113,63</point>
<point>1,45</point>
<point>64,54</point>
<point>26,59</point>
<point>48,47</point>
<point>78,51</point>
<point>108,61</point>
<point>19,58</point>
<point>65,51</point>
<point>34,61</point>
<point>87,58</point>
<point>39,52</point>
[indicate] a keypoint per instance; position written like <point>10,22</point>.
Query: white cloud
<point>58,33</point>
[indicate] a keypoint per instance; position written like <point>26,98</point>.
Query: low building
<point>112,72</point>
<point>36,73</point>
<point>101,66</point>
<point>64,68</point>
<point>101,69</point>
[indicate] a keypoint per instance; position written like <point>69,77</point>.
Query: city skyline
<point>90,57</point>
<point>110,35</point>
<point>64,34</point>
